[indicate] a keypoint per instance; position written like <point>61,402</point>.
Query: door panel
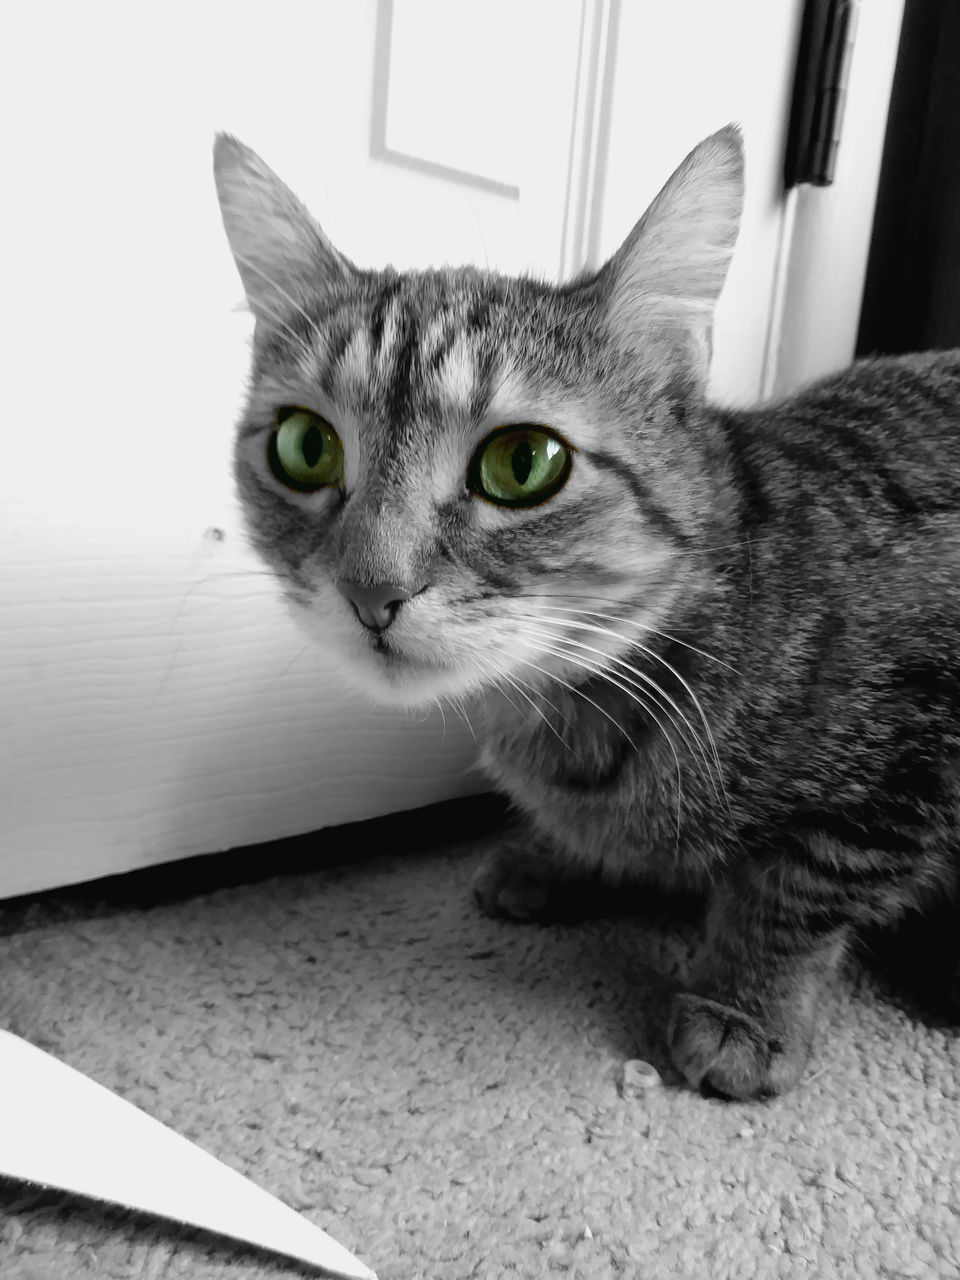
<point>158,700</point>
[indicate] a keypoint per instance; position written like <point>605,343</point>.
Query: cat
<point>707,649</point>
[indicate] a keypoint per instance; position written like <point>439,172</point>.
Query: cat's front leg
<point>523,878</point>
<point>745,1026</point>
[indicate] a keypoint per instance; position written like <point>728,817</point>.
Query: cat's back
<point>889,398</point>
<point>850,598</point>
<point>878,444</point>
<point>850,500</point>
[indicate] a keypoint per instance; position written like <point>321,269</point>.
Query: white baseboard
<point>159,703</point>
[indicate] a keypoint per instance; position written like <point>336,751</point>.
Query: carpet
<point>446,1094</point>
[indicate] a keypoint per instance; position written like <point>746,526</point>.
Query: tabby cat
<point>707,649</point>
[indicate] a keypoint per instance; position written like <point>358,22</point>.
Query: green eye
<point>305,452</point>
<point>519,466</point>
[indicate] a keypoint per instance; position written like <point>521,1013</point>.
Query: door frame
<point>824,235</point>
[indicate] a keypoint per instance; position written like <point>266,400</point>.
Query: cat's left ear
<point>668,273</point>
<point>277,244</point>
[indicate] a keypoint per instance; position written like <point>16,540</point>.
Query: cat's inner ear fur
<point>277,244</point>
<point>663,283</point>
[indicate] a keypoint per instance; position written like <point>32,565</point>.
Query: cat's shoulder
<point>886,394</point>
<point>917,373</point>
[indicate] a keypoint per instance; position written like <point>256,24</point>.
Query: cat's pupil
<point>312,446</point>
<point>521,462</point>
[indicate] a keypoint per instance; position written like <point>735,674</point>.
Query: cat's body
<point>721,653</point>
<point>827,624</point>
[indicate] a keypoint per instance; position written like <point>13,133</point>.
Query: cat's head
<point>462,479</point>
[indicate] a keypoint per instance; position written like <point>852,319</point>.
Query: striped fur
<point>723,656</point>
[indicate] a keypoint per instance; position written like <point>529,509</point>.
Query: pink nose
<point>376,606</point>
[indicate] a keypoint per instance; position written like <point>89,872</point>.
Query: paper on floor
<point>61,1129</point>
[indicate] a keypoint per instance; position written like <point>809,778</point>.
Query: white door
<point>157,701</point>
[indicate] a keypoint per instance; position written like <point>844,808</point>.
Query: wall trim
<point>589,136</point>
<point>378,124</point>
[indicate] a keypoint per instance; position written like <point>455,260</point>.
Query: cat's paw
<point>730,1054</point>
<point>522,886</point>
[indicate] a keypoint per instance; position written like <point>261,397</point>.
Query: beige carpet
<point>444,1092</point>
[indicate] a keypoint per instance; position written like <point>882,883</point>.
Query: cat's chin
<point>405,684</point>
<point>390,678</point>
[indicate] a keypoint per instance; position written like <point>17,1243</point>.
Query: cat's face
<point>463,480</point>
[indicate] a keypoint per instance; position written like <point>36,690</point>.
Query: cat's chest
<point>603,790</point>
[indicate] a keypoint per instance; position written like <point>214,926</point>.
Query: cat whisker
<point>703,715</point>
<point>292,663</point>
<point>657,657</point>
<point>455,702</point>
<point>443,718</point>
<point>711,657</point>
<point>219,574</point>
<point>261,309</point>
<point>216,576</point>
<point>498,674</point>
<point>573,689</point>
<point>595,669</point>
<point>719,546</point>
<point>165,678</point>
<point>466,719</point>
<point>182,604</point>
<point>205,580</point>
<point>539,694</point>
<point>633,622</point>
<point>515,680</point>
<point>283,294</point>
<point>657,691</point>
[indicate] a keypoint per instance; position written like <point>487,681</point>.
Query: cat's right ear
<point>277,244</point>
<point>667,275</point>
